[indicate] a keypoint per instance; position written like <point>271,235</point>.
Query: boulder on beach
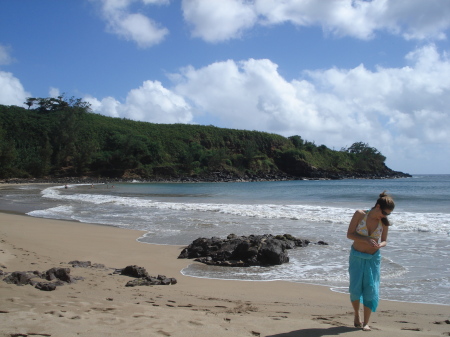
<point>56,276</point>
<point>243,251</point>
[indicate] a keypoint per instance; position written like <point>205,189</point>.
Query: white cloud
<point>403,112</point>
<point>151,102</point>
<point>252,95</point>
<point>154,103</point>
<point>413,100</point>
<point>217,21</point>
<point>11,90</point>
<point>54,92</point>
<point>108,106</point>
<point>417,19</point>
<point>5,55</point>
<point>156,2</point>
<point>133,26</point>
<point>247,95</point>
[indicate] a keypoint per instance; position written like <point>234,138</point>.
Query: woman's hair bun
<point>383,194</point>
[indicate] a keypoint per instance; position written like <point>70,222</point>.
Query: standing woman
<point>369,231</point>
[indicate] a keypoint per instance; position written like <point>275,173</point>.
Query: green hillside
<point>60,138</point>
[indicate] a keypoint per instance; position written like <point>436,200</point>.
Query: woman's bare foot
<point>357,322</point>
<point>366,328</point>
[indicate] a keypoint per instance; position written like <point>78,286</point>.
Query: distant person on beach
<point>369,231</point>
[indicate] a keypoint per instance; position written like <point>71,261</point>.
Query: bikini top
<point>362,229</point>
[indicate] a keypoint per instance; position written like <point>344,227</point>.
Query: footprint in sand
<point>412,329</point>
<point>447,321</point>
<point>103,309</point>
<point>329,320</point>
<point>143,316</point>
<point>54,313</point>
<point>195,323</point>
<point>185,306</point>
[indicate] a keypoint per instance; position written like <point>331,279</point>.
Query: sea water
<point>415,263</point>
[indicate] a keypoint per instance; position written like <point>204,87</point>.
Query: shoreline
<point>206,275</point>
<point>217,177</point>
<point>100,304</point>
<point>330,287</point>
<point>190,261</point>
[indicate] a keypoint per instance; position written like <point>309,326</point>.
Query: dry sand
<point>101,305</point>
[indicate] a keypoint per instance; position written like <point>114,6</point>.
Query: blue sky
<point>332,71</point>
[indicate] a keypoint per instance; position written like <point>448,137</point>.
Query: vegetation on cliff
<point>61,137</point>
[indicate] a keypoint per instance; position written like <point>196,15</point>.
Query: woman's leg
<point>357,320</point>
<point>356,267</point>
<point>371,289</point>
<point>367,312</point>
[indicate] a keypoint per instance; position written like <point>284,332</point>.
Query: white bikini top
<point>362,229</point>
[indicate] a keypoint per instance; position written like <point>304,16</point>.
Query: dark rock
<point>19,278</point>
<point>58,276</point>
<point>62,274</point>
<point>288,169</point>
<point>140,282</point>
<point>243,251</point>
<point>134,271</point>
<point>151,281</point>
<point>81,264</point>
<point>166,282</point>
<point>143,278</point>
<point>99,266</point>
<point>86,264</point>
<point>45,286</point>
<point>272,252</point>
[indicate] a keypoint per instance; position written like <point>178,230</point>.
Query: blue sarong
<point>364,271</point>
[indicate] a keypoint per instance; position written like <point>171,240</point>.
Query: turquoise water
<point>415,264</point>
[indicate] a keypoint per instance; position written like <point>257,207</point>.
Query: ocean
<point>415,263</point>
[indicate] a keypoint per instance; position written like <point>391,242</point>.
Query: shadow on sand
<point>332,331</point>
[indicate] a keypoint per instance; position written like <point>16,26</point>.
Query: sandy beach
<point>101,305</point>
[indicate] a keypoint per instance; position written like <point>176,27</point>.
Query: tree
<point>60,136</point>
<point>297,141</point>
<point>7,154</point>
<point>30,102</point>
<point>57,103</point>
<point>358,148</point>
<point>367,158</point>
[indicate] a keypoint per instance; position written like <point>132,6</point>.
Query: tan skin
<point>368,245</point>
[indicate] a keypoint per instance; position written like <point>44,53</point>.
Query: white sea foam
<point>437,223</point>
<point>28,187</point>
<point>59,212</point>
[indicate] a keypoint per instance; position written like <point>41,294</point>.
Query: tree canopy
<point>62,137</point>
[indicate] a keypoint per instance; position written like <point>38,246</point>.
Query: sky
<point>334,72</point>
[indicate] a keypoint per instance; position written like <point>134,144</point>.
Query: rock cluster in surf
<point>243,251</point>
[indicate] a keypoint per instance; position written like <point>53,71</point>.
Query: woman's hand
<point>373,242</point>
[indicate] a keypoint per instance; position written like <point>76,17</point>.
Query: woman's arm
<point>384,236</point>
<point>351,232</point>
<point>356,219</point>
